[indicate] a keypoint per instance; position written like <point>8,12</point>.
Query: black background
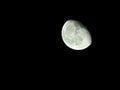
<point>33,42</point>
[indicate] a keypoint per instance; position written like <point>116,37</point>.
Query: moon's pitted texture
<point>75,35</point>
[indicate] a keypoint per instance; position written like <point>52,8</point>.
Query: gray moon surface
<point>75,35</point>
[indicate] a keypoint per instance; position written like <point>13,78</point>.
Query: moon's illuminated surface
<point>75,35</point>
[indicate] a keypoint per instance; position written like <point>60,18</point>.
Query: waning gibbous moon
<point>75,35</point>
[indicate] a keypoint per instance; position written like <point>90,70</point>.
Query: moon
<point>75,35</point>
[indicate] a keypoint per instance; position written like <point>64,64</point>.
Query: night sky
<point>34,46</point>
<point>38,34</point>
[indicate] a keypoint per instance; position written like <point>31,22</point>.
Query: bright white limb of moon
<point>75,35</point>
